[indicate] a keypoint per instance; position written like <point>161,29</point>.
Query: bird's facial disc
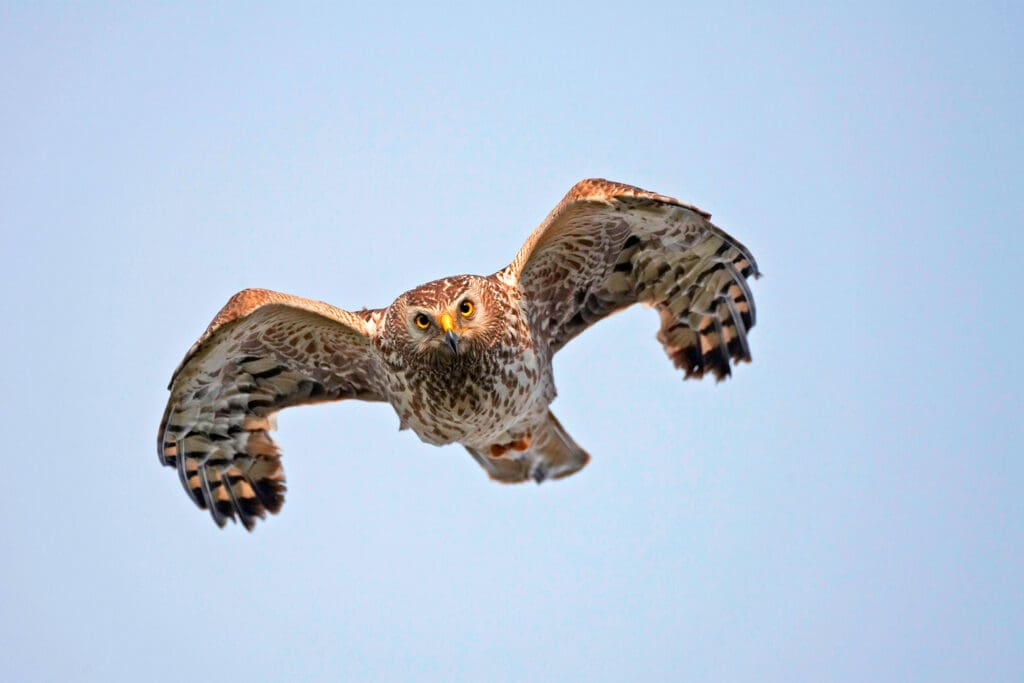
<point>446,329</point>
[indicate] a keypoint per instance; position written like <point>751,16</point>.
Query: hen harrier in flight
<point>465,359</point>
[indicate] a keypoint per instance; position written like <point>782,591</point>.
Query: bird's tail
<point>552,454</point>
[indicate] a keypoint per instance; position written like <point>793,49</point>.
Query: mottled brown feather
<point>608,245</point>
<point>264,351</point>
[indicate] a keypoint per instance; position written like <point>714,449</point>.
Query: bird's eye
<point>466,308</point>
<point>422,321</point>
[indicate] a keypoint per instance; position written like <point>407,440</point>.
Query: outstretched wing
<point>608,245</point>
<point>263,352</point>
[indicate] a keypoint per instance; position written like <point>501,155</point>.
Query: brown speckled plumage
<point>464,359</point>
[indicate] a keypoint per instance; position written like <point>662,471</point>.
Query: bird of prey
<point>464,359</point>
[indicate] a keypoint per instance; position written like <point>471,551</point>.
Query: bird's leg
<point>521,444</point>
<point>500,450</point>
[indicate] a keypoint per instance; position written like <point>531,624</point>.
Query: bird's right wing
<point>263,352</point>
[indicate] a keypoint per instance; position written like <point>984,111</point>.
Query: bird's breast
<point>471,399</point>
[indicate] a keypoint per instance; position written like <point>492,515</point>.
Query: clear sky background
<point>847,508</point>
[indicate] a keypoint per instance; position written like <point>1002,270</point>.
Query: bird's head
<point>449,318</point>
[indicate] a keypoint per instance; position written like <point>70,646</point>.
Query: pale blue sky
<point>846,508</point>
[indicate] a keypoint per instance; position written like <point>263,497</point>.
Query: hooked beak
<point>451,337</point>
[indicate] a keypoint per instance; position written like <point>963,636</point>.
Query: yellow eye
<point>466,308</point>
<point>422,321</point>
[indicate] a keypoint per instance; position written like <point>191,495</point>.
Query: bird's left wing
<point>263,352</point>
<point>609,245</point>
